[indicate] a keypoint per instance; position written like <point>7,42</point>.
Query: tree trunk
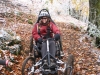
<point>94,11</point>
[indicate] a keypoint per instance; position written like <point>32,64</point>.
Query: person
<point>5,62</point>
<point>43,29</point>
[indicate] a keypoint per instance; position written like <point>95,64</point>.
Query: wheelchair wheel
<point>69,66</point>
<point>27,66</point>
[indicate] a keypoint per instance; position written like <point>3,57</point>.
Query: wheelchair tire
<point>69,65</point>
<point>31,44</point>
<point>27,64</point>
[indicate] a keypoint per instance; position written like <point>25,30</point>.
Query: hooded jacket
<point>43,30</point>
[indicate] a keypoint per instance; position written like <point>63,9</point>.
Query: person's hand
<point>57,37</point>
<point>8,63</point>
<point>40,40</point>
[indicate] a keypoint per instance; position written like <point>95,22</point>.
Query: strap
<point>49,31</point>
<point>39,29</point>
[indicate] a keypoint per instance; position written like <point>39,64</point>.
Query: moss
<point>30,21</point>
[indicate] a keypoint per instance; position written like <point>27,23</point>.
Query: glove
<point>57,37</point>
<point>40,40</point>
<point>8,63</point>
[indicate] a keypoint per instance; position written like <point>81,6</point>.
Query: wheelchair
<point>36,65</point>
<point>48,65</point>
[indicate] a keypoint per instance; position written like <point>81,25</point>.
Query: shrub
<point>93,31</point>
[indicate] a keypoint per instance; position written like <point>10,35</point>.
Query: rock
<point>15,49</point>
<point>14,41</point>
<point>9,41</point>
<point>3,46</point>
<point>4,36</point>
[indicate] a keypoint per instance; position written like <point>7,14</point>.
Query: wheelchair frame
<point>67,70</point>
<point>48,56</point>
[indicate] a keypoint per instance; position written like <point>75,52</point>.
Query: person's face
<point>44,19</point>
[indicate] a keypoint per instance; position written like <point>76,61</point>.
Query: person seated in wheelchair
<point>43,29</point>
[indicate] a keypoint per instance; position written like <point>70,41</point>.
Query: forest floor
<point>73,42</point>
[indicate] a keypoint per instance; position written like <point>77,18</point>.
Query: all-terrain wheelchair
<point>48,65</point>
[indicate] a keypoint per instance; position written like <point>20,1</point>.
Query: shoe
<point>38,64</point>
<point>60,62</point>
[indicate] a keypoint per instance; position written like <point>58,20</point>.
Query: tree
<point>94,16</point>
<point>94,11</point>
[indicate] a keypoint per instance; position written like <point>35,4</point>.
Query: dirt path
<point>85,59</point>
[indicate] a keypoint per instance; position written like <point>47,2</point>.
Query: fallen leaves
<point>85,60</point>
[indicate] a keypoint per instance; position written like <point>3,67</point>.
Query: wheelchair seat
<point>36,48</point>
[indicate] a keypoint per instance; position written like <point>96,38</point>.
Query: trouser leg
<point>43,49</point>
<point>52,48</point>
